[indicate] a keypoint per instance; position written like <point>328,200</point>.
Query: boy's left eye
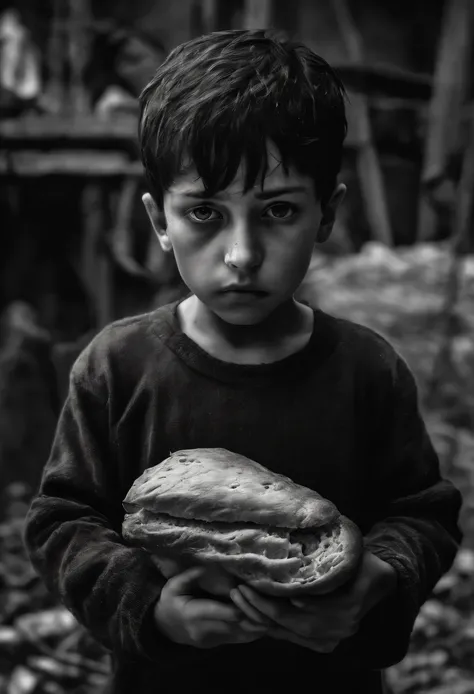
<point>282,210</point>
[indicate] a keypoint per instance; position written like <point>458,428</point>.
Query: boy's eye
<point>282,210</point>
<point>203,214</point>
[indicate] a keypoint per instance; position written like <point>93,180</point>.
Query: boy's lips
<point>243,288</point>
<point>244,294</point>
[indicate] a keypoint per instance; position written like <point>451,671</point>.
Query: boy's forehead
<point>189,183</point>
<point>276,178</point>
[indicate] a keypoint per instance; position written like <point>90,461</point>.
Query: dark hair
<point>217,99</point>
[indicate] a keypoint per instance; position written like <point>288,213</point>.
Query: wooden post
<point>257,14</point>
<point>368,165</point>
<point>463,221</point>
<point>79,41</point>
<point>54,90</point>
<point>449,91</point>
<point>209,15</point>
<point>95,264</point>
<point>464,216</point>
<point>203,17</point>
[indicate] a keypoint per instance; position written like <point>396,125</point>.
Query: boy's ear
<point>329,213</point>
<point>158,222</point>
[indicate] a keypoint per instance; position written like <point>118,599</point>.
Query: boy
<point>241,137</point>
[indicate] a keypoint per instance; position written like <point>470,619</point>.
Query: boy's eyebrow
<point>264,195</point>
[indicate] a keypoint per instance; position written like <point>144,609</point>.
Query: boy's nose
<point>244,252</point>
<point>243,256</point>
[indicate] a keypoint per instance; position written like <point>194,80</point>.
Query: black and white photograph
<point>236,450</point>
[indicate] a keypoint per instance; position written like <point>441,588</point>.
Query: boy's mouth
<point>244,297</point>
<point>236,289</point>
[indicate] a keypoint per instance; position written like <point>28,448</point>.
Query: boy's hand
<point>322,622</point>
<point>203,623</point>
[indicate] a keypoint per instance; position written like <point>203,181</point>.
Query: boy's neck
<point>284,332</point>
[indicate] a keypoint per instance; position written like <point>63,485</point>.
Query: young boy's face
<point>243,255</point>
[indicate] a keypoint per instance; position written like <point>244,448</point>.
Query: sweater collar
<point>322,343</point>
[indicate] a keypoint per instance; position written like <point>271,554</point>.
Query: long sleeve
<point>414,526</point>
<point>72,530</point>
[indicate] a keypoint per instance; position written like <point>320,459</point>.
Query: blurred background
<point>76,252</point>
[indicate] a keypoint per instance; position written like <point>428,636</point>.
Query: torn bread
<point>212,507</point>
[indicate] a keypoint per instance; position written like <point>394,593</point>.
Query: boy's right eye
<point>202,214</point>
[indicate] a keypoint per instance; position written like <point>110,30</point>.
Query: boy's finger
<point>213,610</point>
<point>266,607</point>
<point>182,583</point>
<point>248,610</point>
<point>308,605</point>
<point>320,604</point>
<point>252,626</point>
<point>248,636</point>
<point>218,633</point>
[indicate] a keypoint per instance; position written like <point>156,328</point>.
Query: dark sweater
<point>341,416</point>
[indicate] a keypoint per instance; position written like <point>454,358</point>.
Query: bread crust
<point>214,484</point>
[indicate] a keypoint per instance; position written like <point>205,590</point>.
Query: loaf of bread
<point>213,507</point>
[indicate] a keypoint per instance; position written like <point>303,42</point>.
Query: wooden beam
<point>55,128</point>
<point>385,81</point>
<point>88,163</point>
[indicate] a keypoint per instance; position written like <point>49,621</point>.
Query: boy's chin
<point>247,316</point>
<point>242,317</point>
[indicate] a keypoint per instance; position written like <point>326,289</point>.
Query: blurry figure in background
<point>122,61</point>
<point>121,45</point>
<point>20,78</point>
